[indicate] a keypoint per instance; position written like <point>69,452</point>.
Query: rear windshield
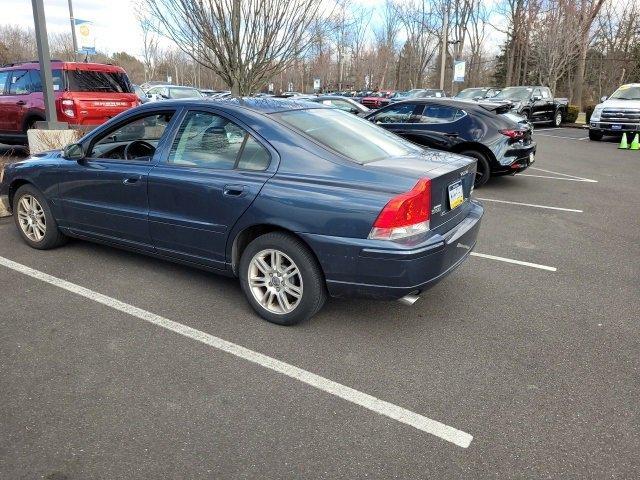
<point>514,93</point>
<point>184,93</point>
<point>351,136</point>
<point>94,81</point>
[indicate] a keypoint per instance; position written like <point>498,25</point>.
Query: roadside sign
<point>271,88</point>
<point>290,87</point>
<point>85,36</point>
<point>458,71</point>
<point>316,84</point>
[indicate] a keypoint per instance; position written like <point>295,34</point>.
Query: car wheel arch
<point>245,236</point>
<point>31,117</point>
<point>486,151</point>
<point>14,186</point>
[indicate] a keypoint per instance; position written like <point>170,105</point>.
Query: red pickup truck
<point>86,94</point>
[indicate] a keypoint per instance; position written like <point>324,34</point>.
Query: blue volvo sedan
<point>298,200</point>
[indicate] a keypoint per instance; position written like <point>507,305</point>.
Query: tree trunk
<point>579,80</point>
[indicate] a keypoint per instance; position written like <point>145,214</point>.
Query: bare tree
<point>588,10</point>
<point>246,42</point>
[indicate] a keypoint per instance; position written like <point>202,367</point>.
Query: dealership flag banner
<point>85,36</point>
<point>458,71</point>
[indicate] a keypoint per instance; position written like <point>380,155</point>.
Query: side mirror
<point>603,98</point>
<point>149,95</point>
<point>536,98</point>
<point>73,152</point>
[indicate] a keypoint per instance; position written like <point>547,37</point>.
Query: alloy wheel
<point>31,218</point>
<point>275,281</point>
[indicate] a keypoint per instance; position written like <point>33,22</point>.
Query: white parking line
<point>560,136</point>
<point>584,180</point>
<point>517,262</point>
<point>560,173</point>
<point>530,205</point>
<point>402,415</point>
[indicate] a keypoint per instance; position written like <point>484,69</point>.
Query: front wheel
<point>483,169</point>
<point>595,135</point>
<point>281,279</point>
<point>34,219</point>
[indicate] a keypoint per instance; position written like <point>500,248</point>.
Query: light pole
<point>73,31</point>
<point>443,53</point>
<point>45,69</point>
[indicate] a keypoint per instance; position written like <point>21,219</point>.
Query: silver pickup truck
<point>617,114</point>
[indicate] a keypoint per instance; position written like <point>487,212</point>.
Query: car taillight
<point>68,107</point>
<point>513,134</point>
<point>405,215</point>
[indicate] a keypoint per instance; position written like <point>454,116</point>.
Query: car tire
<point>34,219</point>
<point>483,169</point>
<point>557,119</point>
<point>259,273</point>
<point>595,135</point>
<point>527,115</point>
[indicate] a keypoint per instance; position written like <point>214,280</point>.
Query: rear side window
<point>400,113</point>
<point>36,80</point>
<point>93,81</point>
<point>440,114</point>
<point>3,81</point>
<point>207,140</point>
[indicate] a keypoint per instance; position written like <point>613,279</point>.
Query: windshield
<point>514,93</point>
<point>471,93</point>
<point>94,81</point>
<point>351,136</point>
<point>627,92</point>
<point>184,93</point>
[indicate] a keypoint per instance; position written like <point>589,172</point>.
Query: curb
<point>4,212</point>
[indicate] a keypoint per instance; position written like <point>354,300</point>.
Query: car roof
<point>255,104</point>
<point>61,65</point>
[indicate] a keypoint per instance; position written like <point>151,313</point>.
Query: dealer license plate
<point>456,195</point>
<point>616,127</point>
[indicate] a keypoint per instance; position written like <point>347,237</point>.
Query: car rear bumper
<point>373,269</point>
<point>517,159</point>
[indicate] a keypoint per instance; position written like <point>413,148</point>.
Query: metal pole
<point>443,53</point>
<point>45,68</point>
<point>73,31</point>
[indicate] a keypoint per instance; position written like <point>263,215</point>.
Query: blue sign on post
<point>458,71</point>
<point>85,36</point>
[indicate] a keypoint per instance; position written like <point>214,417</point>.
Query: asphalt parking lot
<point>535,362</point>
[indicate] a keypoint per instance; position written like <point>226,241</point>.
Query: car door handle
<point>234,190</point>
<point>21,102</point>
<point>132,180</point>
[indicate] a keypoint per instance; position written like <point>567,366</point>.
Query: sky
<point>115,25</point>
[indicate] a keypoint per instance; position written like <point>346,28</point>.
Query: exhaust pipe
<point>409,299</point>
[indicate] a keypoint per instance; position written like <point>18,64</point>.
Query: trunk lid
<point>445,170</point>
<point>94,108</point>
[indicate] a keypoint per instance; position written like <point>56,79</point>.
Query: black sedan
<point>482,130</point>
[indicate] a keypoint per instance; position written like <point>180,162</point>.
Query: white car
<point>617,114</point>
<point>172,92</point>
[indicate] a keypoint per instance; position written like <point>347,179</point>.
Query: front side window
<point>140,135</point>
<point>440,114</point>
<point>344,133</point>
<point>19,82</point>
<point>207,140</point>
<point>399,113</point>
